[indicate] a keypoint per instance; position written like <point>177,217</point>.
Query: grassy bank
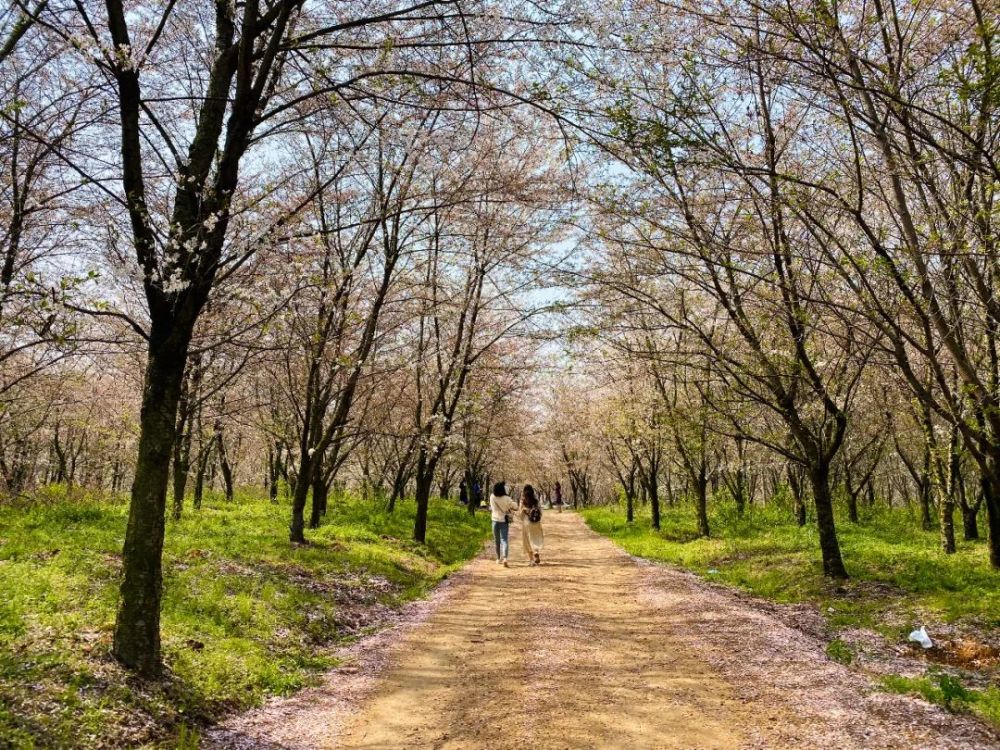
<point>245,614</point>
<point>899,580</point>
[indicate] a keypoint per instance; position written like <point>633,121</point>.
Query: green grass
<point>949,692</point>
<point>840,652</point>
<point>899,576</point>
<point>245,614</point>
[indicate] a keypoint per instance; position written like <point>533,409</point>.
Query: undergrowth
<point>245,614</point>
<point>899,577</point>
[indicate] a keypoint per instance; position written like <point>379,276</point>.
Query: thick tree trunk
<point>630,506</point>
<point>137,626</point>
<point>833,563</point>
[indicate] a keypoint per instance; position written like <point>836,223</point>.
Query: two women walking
<point>502,510</point>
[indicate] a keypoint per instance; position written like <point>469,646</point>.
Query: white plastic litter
<point>921,637</point>
<point>712,571</point>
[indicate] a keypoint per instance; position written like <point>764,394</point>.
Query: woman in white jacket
<point>531,525</point>
<point>501,512</point>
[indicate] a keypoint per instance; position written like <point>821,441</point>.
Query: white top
<point>500,507</point>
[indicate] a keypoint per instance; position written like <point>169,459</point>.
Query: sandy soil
<point>592,650</point>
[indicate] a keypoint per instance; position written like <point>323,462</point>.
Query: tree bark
<point>653,493</point>
<point>224,465</point>
<point>945,469</point>
<point>991,498</point>
<point>320,493</point>
<point>296,531</point>
<point>833,563</point>
<point>795,485</point>
<point>970,513</point>
<point>701,502</point>
<point>137,626</point>
<point>181,468</point>
<point>274,458</point>
<point>425,478</point>
<point>852,502</point>
<point>199,478</point>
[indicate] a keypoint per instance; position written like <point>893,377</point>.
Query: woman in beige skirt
<point>531,525</point>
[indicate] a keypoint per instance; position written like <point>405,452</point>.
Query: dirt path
<point>592,650</point>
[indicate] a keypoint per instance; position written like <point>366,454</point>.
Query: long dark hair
<point>499,489</point>
<point>528,499</point>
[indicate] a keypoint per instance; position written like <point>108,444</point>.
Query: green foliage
<point>188,738</point>
<point>896,568</point>
<point>245,614</point>
<point>949,692</point>
<point>839,652</point>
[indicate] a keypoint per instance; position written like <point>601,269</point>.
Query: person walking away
<point>531,525</point>
<point>501,512</point>
<point>558,501</point>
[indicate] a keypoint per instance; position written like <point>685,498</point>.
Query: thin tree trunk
<point>224,465</point>
<point>947,504</point>
<point>302,485</point>
<point>425,478</point>
<point>653,493</point>
<point>833,563</point>
<point>320,492</point>
<point>970,513</point>
<point>701,502</point>
<point>991,498</point>
<point>852,502</point>
<point>795,485</point>
<point>199,479</point>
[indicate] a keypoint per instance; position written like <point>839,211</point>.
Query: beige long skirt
<point>532,536</point>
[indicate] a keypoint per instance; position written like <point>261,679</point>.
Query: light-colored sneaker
<point>499,561</point>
